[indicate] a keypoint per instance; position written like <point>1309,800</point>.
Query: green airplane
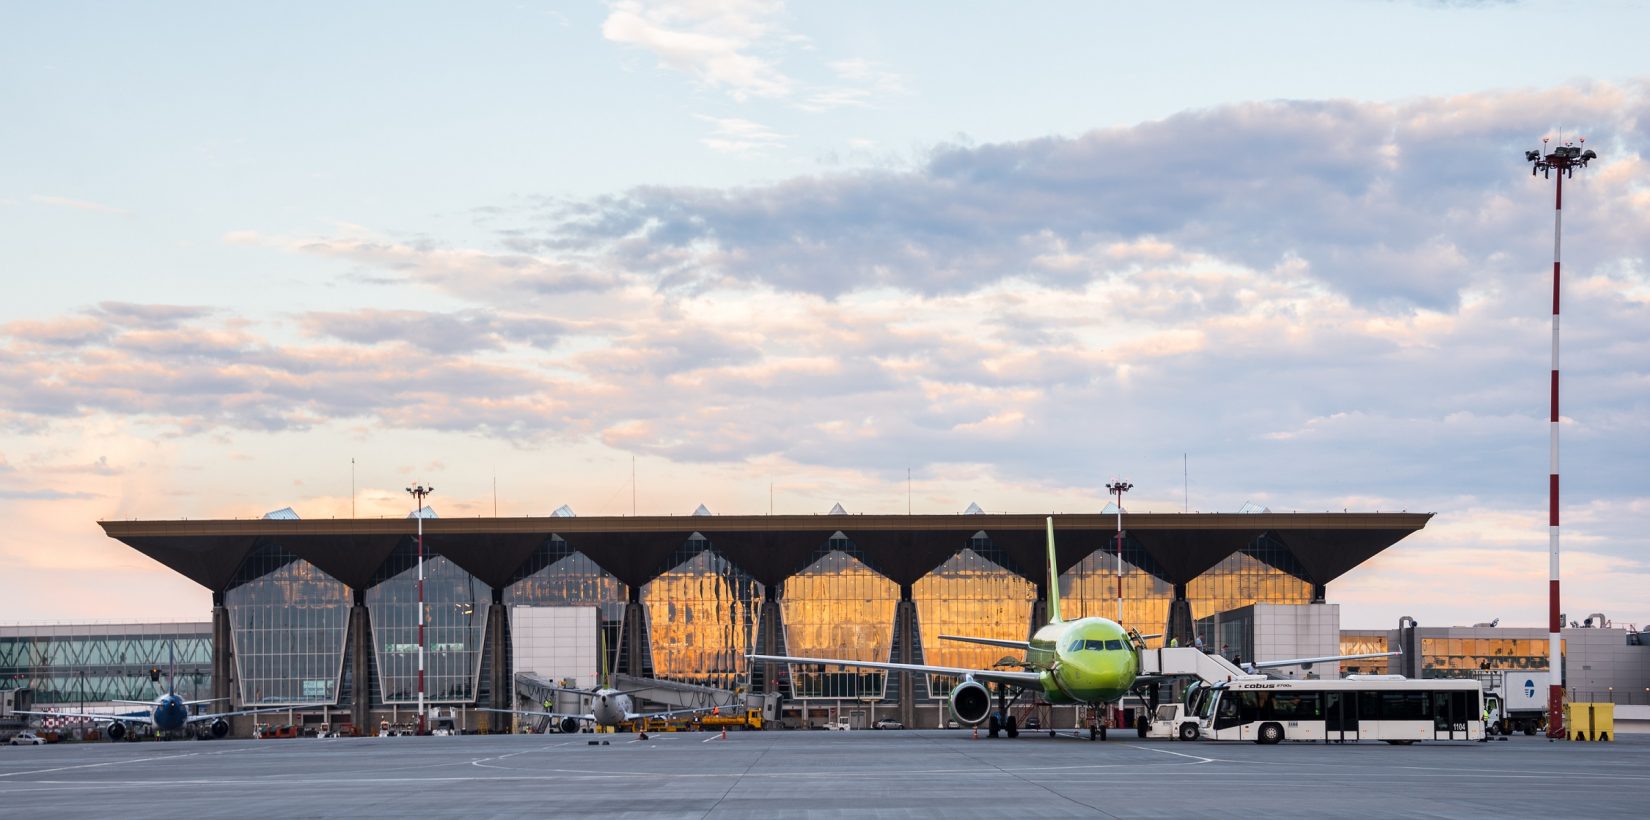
<point>1090,661</point>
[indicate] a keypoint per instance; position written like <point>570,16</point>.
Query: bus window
<point>1403,706</point>
<point>1369,705</point>
<point>1296,706</point>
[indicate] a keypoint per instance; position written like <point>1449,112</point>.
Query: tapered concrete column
<point>498,643</point>
<point>1180,618</point>
<point>768,644</point>
<point>905,636</point>
<point>222,649</point>
<point>635,637</point>
<point>360,643</point>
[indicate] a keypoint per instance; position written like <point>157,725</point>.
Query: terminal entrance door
<point>1340,716</point>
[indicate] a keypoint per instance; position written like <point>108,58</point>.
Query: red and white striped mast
<point>1564,159</point>
<point>418,491</point>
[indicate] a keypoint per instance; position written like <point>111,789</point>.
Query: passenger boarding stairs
<point>1189,661</point>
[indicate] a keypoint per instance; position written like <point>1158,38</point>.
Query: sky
<point>637,256</point>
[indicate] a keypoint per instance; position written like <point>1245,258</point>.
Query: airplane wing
<point>1324,659</point>
<point>536,713</point>
<point>671,713</point>
<point>1024,645</point>
<point>214,716</point>
<point>134,718</point>
<point>1025,679</point>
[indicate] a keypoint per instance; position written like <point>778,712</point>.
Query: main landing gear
<point>1001,720</point>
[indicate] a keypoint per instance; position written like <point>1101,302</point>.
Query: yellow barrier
<point>1590,721</point>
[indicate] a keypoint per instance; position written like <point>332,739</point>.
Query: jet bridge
<point>677,695</point>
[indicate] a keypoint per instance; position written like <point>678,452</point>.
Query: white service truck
<point>1516,701</point>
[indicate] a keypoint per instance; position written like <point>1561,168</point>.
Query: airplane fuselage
<point>610,707</point>
<point>169,713</point>
<point>1089,660</point>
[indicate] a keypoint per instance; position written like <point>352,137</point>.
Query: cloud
<point>737,47</point>
<point>43,495</point>
<point>1395,206</point>
<point>461,332</point>
<point>733,135</point>
<point>79,204</point>
<point>1358,324</point>
<point>502,276</point>
<point>714,41</point>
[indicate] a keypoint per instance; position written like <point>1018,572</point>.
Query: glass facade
<point>1089,590</point>
<point>971,595</point>
<point>455,604</point>
<point>1359,643</point>
<point>288,622</point>
<point>557,576</point>
<point>701,618</point>
<point>1454,657</point>
<point>67,665</point>
<point>838,608</point>
<point>1252,576</point>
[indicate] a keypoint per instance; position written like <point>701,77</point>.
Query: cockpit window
<point>1093,645</point>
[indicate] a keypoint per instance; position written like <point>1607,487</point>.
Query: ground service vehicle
<point>1358,707</point>
<point>1516,700</point>
<point>1172,720</point>
<point>889,723</point>
<point>26,739</point>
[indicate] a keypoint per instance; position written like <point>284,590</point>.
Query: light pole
<point>1564,159</point>
<point>419,491</point>
<point>1118,488</point>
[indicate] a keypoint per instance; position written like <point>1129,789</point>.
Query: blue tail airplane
<point>168,713</point>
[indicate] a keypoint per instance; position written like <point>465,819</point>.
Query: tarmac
<point>935,773</point>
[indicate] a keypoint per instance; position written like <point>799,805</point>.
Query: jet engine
<point>970,703</point>
<point>219,729</point>
<point>117,730</point>
<point>569,725</point>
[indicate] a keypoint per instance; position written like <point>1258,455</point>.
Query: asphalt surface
<point>829,774</point>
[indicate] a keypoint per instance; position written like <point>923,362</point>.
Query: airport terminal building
<point>322,615</point>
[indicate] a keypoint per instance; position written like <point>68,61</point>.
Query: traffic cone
<point>976,733</point>
<point>724,733</point>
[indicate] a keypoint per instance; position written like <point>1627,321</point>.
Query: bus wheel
<point>1269,733</point>
<point>1188,731</point>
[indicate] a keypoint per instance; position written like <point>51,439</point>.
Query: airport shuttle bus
<point>1358,707</point>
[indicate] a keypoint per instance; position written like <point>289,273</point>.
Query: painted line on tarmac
<point>1198,758</point>
<point>483,761</point>
<point>129,760</point>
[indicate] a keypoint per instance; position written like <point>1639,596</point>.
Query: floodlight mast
<point>419,491</point>
<point>1564,159</point>
<point>1118,488</point>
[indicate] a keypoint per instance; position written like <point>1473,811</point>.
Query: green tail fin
<point>1053,578</point>
<point>601,636</point>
